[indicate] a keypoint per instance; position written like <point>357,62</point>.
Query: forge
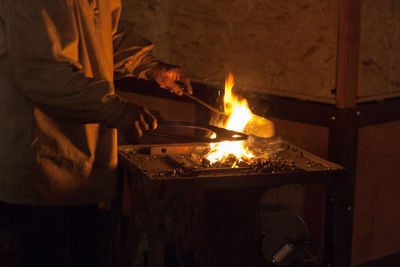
<point>181,162</point>
<point>215,209</point>
<point>200,191</point>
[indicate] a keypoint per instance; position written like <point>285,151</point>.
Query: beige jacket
<point>57,61</point>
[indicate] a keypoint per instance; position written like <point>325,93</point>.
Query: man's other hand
<point>171,78</point>
<point>134,120</point>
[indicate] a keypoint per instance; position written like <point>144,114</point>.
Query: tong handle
<point>201,102</point>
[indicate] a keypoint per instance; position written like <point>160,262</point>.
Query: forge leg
<point>146,223</point>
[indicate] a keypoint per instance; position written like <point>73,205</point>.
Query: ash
<point>197,164</point>
<point>272,164</point>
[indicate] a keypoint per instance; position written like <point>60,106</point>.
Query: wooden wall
<point>377,198</point>
<point>283,47</point>
<point>376,231</point>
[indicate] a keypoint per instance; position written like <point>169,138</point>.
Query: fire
<point>239,115</point>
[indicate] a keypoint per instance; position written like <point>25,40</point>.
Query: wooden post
<point>344,131</point>
<point>348,64</point>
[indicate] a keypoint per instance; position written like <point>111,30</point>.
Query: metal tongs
<point>221,133</point>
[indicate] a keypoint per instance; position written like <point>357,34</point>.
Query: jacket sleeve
<point>42,40</point>
<point>132,54</point>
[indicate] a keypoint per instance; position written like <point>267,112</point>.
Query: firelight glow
<point>239,115</point>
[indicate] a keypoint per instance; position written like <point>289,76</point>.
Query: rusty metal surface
<point>161,164</point>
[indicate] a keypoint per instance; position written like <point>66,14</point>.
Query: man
<point>58,117</point>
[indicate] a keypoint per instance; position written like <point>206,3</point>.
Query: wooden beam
<point>348,65</point>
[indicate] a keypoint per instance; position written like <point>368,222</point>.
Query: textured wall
<point>284,47</point>
<point>380,45</point>
<point>377,199</point>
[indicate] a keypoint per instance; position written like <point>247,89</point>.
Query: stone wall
<point>283,47</point>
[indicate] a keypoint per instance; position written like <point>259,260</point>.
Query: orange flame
<point>239,115</point>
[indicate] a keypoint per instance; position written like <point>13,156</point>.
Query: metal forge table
<point>202,203</point>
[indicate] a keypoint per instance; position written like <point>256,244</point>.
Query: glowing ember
<point>239,115</point>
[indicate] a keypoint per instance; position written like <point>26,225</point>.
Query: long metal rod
<point>198,100</point>
<point>222,133</point>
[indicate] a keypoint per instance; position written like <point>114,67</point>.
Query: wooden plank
<point>377,198</point>
<point>291,109</point>
<point>378,112</point>
<point>348,65</point>
<point>377,97</point>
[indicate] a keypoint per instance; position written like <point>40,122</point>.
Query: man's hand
<point>134,120</point>
<point>171,78</point>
